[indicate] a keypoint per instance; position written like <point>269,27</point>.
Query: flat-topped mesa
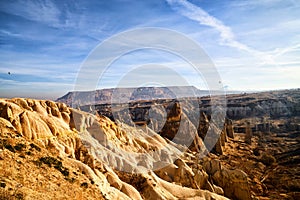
<point>124,95</point>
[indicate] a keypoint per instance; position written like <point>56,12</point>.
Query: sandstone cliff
<point>50,151</point>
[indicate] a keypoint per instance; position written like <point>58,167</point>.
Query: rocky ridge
<point>49,147</point>
<point>267,148</point>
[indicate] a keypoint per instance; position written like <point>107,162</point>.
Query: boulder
<point>233,182</point>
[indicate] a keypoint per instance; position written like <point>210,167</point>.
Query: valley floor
<point>268,180</point>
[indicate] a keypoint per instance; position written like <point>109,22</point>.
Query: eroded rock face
<point>93,144</point>
<point>229,128</point>
<point>180,122</point>
<point>233,182</point>
<point>273,104</point>
<point>248,134</point>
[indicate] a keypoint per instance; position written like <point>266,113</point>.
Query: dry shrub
<point>267,159</point>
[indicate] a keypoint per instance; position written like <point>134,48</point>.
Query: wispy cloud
<point>280,51</point>
<point>227,37</point>
<point>264,3</point>
<point>196,13</point>
<point>44,11</point>
<point>44,42</point>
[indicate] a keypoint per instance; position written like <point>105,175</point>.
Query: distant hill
<point>123,95</point>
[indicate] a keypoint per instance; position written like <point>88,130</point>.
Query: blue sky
<point>255,45</point>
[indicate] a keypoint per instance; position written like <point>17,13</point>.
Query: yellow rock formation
<point>121,162</point>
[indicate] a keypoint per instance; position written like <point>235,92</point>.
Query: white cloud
<point>42,11</point>
<point>9,33</point>
<point>226,34</point>
<point>255,3</point>
<point>281,51</point>
<point>196,13</point>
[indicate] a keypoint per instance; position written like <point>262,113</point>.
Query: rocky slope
<point>50,151</point>
<point>272,165</point>
<point>269,123</point>
<point>274,104</point>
